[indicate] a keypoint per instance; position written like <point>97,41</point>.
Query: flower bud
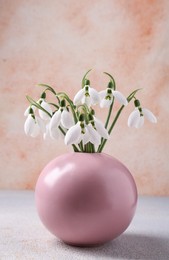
<point>137,103</point>
<point>82,117</point>
<point>43,95</point>
<point>31,110</point>
<point>110,85</point>
<point>87,82</point>
<point>63,103</point>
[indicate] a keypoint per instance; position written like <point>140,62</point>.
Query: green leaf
<point>84,77</point>
<point>47,87</point>
<point>129,98</point>
<point>54,105</point>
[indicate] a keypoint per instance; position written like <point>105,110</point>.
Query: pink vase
<point>86,198</point>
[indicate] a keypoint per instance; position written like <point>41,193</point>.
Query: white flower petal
<point>101,129</point>
<point>95,138</point>
<point>47,107</point>
<point>134,118</point>
<point>54,133</point>
<point>94,95</point>
<point>120,97</point>
<point>73,135</point>
<point>46,133</point>
<point>67,119</point>
<point>78,97</point>
<point>105,103</point>
<point>55,120</point>
<point>140,122</point>
<point>41,124</point>
<point>86,100</point>
<point>149,115</point>
<point>102,94</point>
<point>86,137</point>
<point>26,113</point>
<point>29,125</point>
<point>54,123</point>
<point>35,131</point>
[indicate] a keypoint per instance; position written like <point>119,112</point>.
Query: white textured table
<point>22,236</point>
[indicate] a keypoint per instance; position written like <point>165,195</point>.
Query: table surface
<point>22,235</point>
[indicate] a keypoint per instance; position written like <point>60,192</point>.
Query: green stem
<point>109,114</point>
<point>75,148</point>
<point>63,132</point>
<point>81,146</point>
<point>110,129</point>
<point>93,148</point>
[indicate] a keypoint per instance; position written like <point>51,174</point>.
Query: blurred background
<point>56,42</point>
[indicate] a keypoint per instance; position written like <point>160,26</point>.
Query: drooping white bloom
<point>88,133</point>
<point>48,135</point>
<point>33,126</point>
<point>61,117</point>
<point>106,97</point>
<point>136,118</point>
<point>66,119</point>
<point>73,135</point>
<point>47,107</point>
<point>149,115</point>
<point>86,95</point>
<point>100,128</point>
<point>94,136</point>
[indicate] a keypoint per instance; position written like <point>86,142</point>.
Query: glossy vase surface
<point>86,199</point>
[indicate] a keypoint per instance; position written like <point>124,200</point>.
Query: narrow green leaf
<point>54,105</point>
<point>133,94</point>
<point>47,87</point>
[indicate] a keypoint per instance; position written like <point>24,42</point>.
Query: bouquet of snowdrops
<point>76,120</point>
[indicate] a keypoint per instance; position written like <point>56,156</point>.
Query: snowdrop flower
<point>100,128</point>
<point>33,125</point>
<point>86,95</point>
<point>47,107</point>
<point>106,97</point>
<point>73,135</point>
<point>92,132</point>
<point>136,118</point>
<point>61,117</point>
<point>78,133</point>
<point>54,134</point>
<point>94,136</point>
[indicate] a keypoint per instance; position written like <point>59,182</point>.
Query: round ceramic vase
<point>86,199</point>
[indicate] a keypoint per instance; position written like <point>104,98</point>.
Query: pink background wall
<point>56,42</point>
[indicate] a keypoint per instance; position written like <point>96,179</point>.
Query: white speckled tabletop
<point>22,236</point>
